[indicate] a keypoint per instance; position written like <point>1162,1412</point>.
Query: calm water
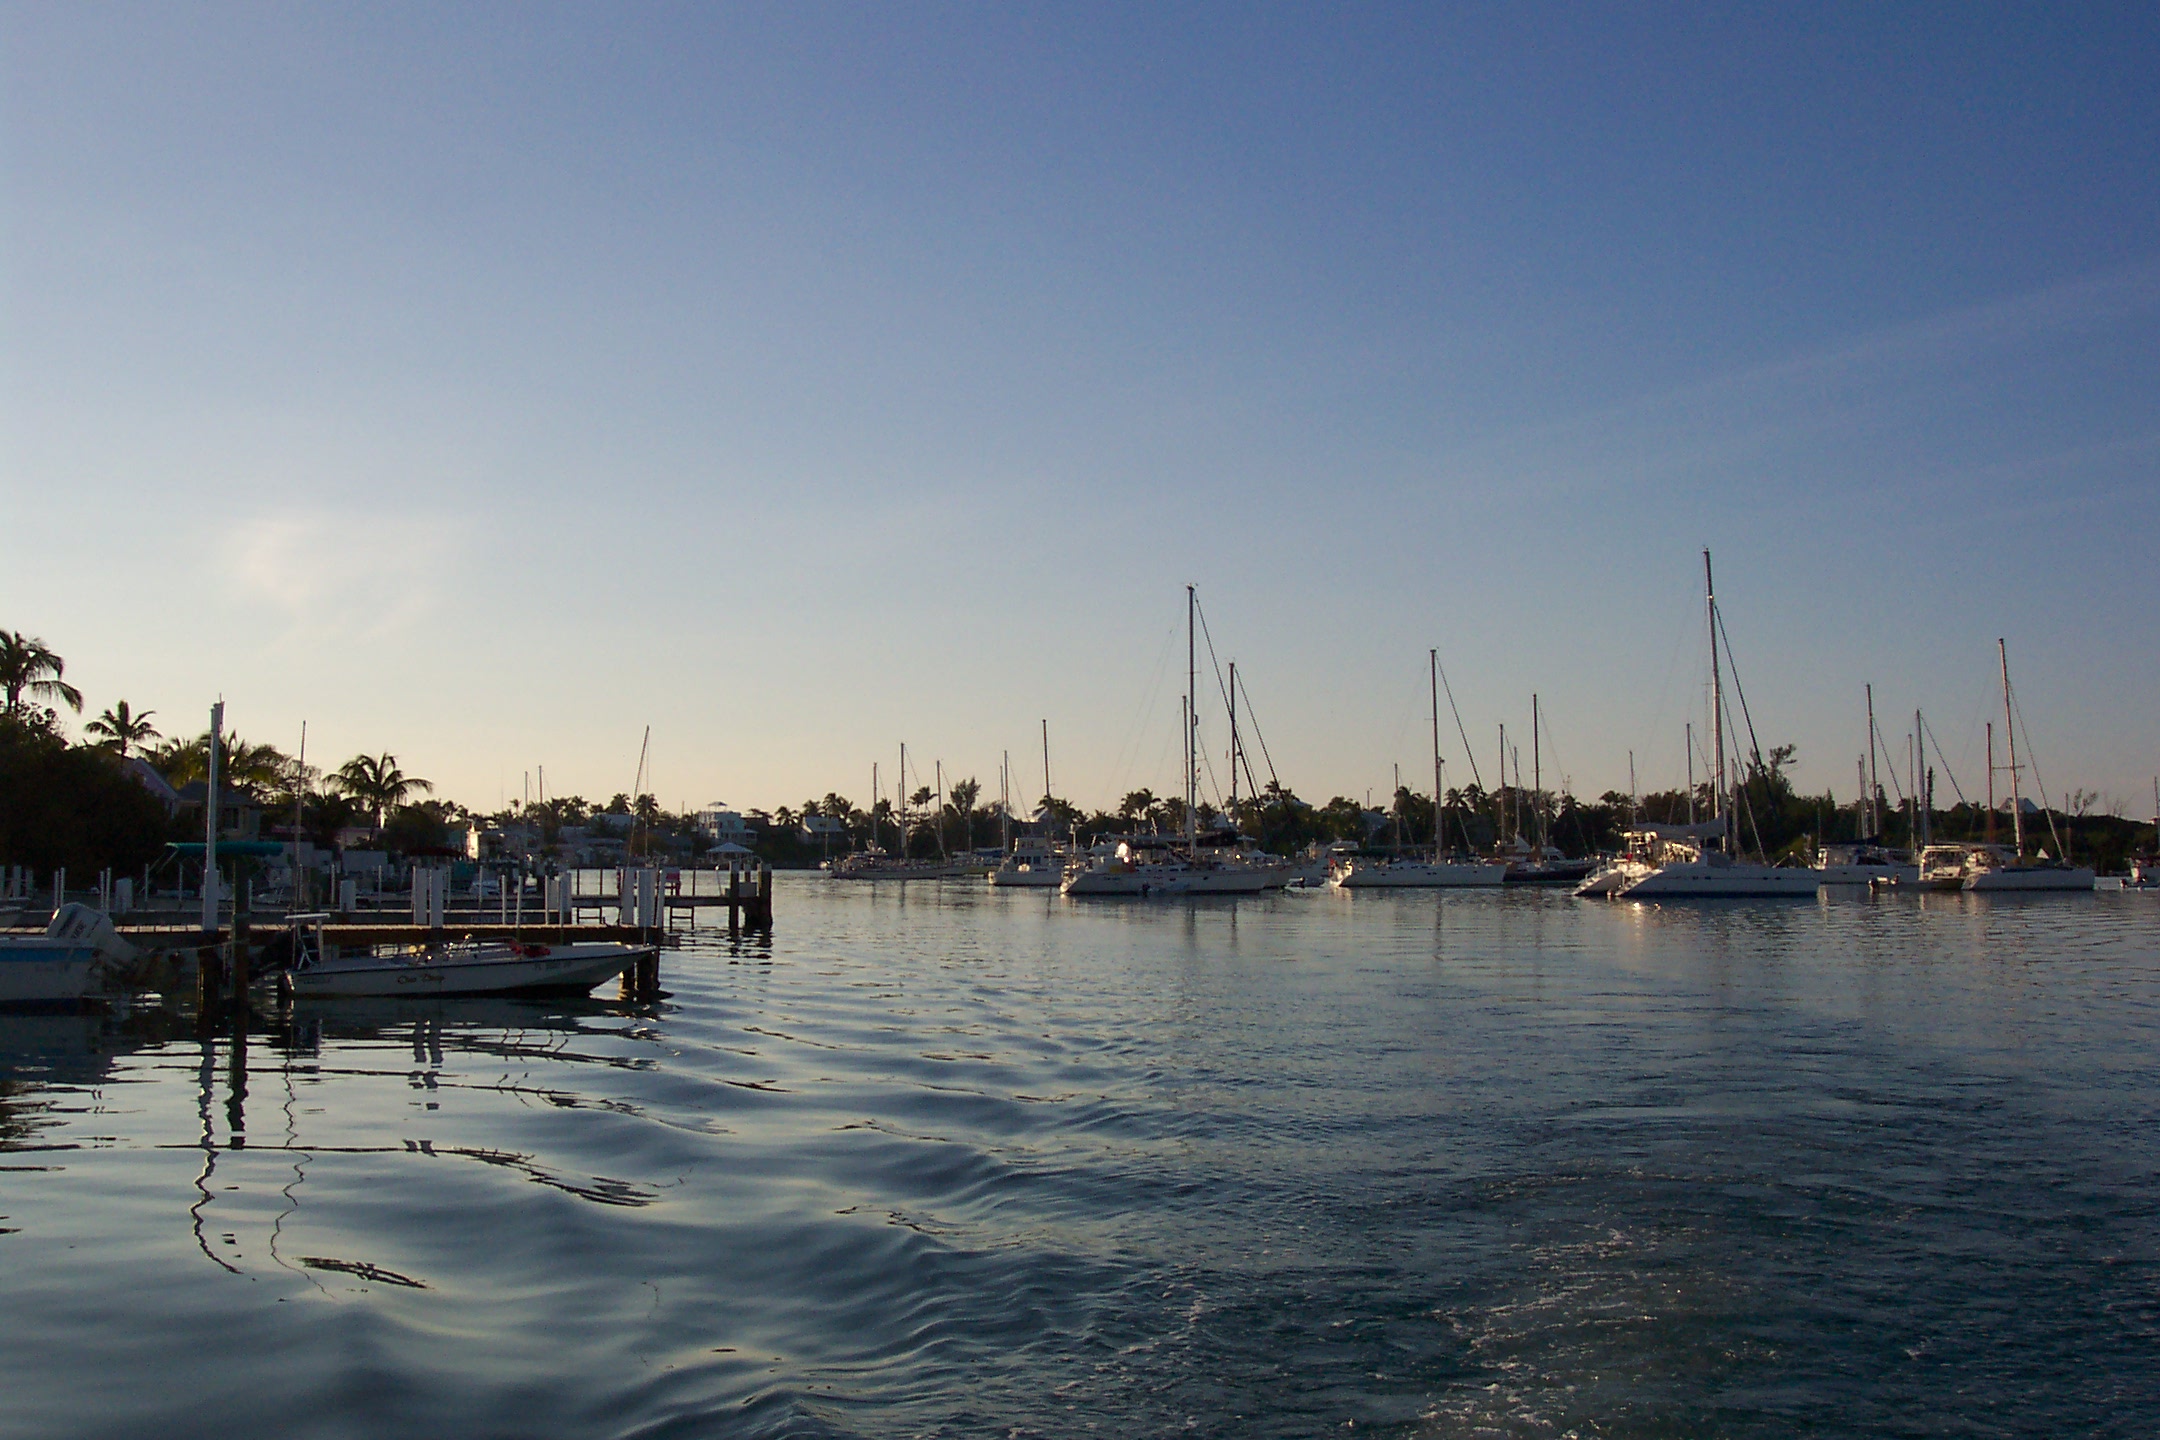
<point>948,1161</point>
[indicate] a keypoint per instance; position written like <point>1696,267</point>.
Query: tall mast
<point>1005,801</point>
<point>1537,780</point>
<point>1192,725</point>
<point>873,804</point>
<point>1717,702</point>
<point>1991,782</point>
<point>1922,797</point>
<point>2017,802</point>
<point>1439,796</point>
<point>900,797</point>
<point>210,819</point>
<point>299,900</point>
<point>1503,800</point>
<point>1402,813</point>
<point>1912,802</point>
<point>1046,761</point>
<point>1691,772</point>
<point>1233,735</point>
<point>1633,803</point>
<point>1874,782</point>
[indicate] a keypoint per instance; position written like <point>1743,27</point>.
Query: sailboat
<point>1708,868</point>
<point>1364,872</point>
<point>1987,868</point>
<point>1032,860</point>
<point>1191,864</point>
<point>876,864</point>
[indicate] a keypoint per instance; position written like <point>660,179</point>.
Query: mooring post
<point>239,959</point>
<point>734,897</point>
<point>764,890</point>
<point>209,985</point>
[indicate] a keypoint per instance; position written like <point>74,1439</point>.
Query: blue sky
<point>487,384</point>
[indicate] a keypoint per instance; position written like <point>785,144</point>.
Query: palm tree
<point>964,794</point>
<point>29,667</point>
<point>377,783</point>
<point>119,727</point>
<point>239,762</point>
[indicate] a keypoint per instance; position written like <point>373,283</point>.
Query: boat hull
<point>1900,875</point>
<point>1419,875</point>
<point>1694,880</point>
<point>932,870</point>
<point>2035,879</point>
<point>1030,878</point>
<point>558,970</point>
<point>41,972</point>
<point>1611,880</point>
<point>1142,880</point>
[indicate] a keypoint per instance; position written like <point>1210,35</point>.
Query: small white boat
<point>499,967</point>
<point>63,965</point>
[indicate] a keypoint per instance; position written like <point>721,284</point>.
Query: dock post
<point>209,986</point>
<point>239,960</point>
<point>734,898</point>
<point>764,896</point>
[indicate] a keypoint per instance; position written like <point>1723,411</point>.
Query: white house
<point>725,826</point>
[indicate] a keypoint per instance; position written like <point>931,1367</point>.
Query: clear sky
<point>486,383</point>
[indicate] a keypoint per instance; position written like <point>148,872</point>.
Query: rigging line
<point>1273,778</point>
<point>1129,751</point>
<point>1469,751</point>
<point>1734,666</point>
<point>1207,763</point>
<point>1215,664</point>
<point>1747,808</point>
<point>2033,764</point>
<point>1930,734</point>
<point>1884,740</point>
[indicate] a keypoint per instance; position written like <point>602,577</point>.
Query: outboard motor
<point>80,924</point>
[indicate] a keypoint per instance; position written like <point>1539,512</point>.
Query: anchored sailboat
<point>1364,872</point>
<point>1192,864</point>
<point>1707,867</point>
<point>1988,868</point>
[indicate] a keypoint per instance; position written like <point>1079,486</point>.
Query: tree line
<point>73,806</point>
<point>70,805</point>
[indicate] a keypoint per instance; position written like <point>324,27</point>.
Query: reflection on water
<point>946,1160</point>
